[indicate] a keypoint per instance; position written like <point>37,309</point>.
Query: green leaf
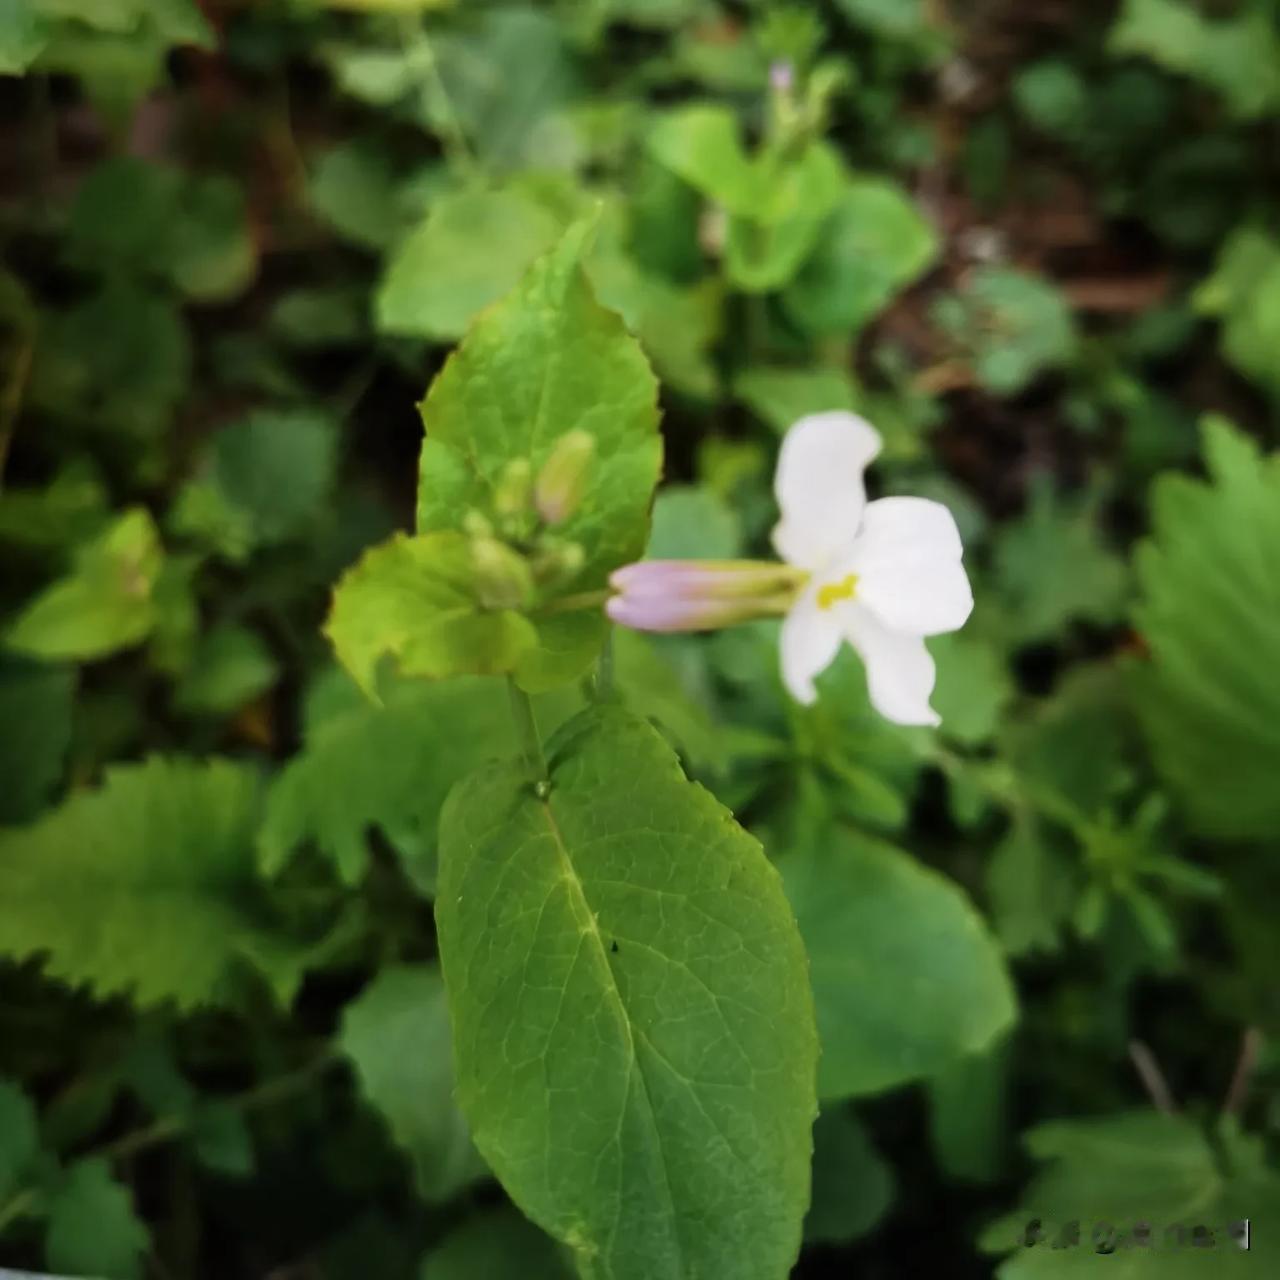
<point>1242,291</point>
<point>396,1032</point>
<point>894,19</point>
<point>1208,610</point>
<point>19,1138</point>
<point>230,667</point>
<point>1111,1173</point>
<point>496,1245</point>
<point>1032,889</point>
<point>35,708</point>
<point>546,361</point>
<point>781,396</point>
<point>873,245</point>
<point>974,686</point>
<point>387,766</point>
<point>702,145</point>
<point>967,1115</point>
<point>106,602</point>
<point>1012,325</point>
<point>263,481</point>
<point>471,250</point>
<point>692,523</point>
<point>853,1186</point>
<point>1053,566</point>
<point>93,1229</point>
<point>414,599</point>
<point>23,35</point>
<point>602,947</point>
<point>906,977</point>
<point>145,887</point>
<point>1238,57</point>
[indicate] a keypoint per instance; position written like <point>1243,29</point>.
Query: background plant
<point>1034,244</point>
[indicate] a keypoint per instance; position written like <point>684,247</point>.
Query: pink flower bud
<point>700,595</point>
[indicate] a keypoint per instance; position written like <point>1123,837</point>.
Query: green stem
<point>527,727</point>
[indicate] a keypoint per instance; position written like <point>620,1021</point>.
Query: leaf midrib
<point>582,907</point>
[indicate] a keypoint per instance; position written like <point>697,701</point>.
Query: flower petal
<point>900,670</point>
<point>811,639</point>
<point>907,558</point>
<point>819,486</point>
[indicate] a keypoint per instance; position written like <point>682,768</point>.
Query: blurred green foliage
<point>1035,244</point>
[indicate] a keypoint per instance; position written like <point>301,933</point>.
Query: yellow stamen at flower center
<point>831,592</point>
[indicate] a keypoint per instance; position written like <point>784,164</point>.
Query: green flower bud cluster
<point>516,552</point>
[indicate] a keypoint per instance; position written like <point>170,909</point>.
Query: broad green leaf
<point>356,191</point>
<point>906,978</point>
<point>603,947</point>
<point>471,250</point>
<point>396,1032</point>
<point>1109,1174</point>
<point>853,1186</point>
<point>93,1229</point>
<point>145,886</point>
<point>1239,57</point>
<point>210,254</point>
<point>387,766</point>
<point>263,480</point>
<point>414,599</point>
<point>35,709</point>
<point>703,145</point>
<point>231,665</point>
<point>19,1138</point>
<point>874,244</point>
<point>1209,612</point>
<point>106,603</point>
<point>1054,566</point>
<point>780,396</point>
<point>546,361</point>
<point>497,1244</point>
<point>894,19</point>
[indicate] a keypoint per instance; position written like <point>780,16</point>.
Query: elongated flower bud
<point>700,595</point>
<point>502,576</point>
<point>511,497</point>
<point>563,478</point>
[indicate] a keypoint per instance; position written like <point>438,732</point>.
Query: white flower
<point>881,575</point>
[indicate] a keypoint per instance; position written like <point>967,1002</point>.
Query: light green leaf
<point>1243,291</point>
<point>497,1245</point>
<point>852,1184</point>
<point>894,19</point>
<point>906,977</point>
<point>703,146</point>
<point>396,1032</point>
<point>414,599</point>
<point>145,886</point>
<point>1032,889</point>
<point>780,396</point>
<point>874,244</point>
<point>602,947</point>
<point>93,1229</point>
<point>471,250</point>
<point>1210,614</point>
<point>1111,1173</point>
<point>35,709</point>
<point>1239,57</point>
<point>546,361</point>
<point>23,35</point>
<point>19,1138</point>
<point>106,602</point>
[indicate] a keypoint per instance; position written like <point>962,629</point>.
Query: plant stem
<point>527,727</point>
